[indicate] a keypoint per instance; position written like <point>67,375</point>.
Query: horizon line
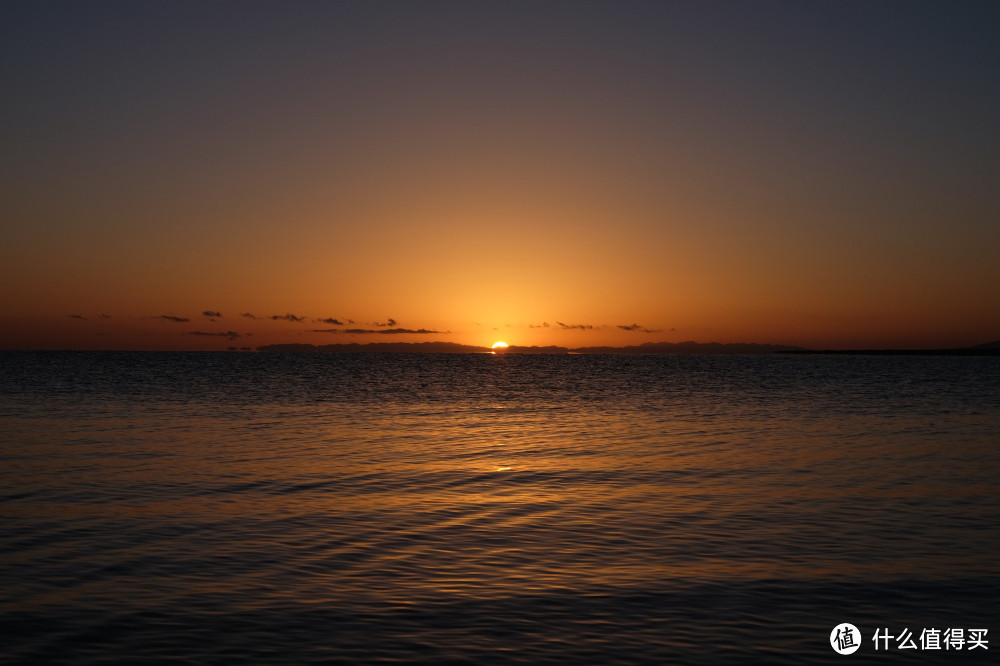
<point>650,348</point>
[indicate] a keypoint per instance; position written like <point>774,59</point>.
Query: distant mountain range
<point>986,349</point>
<point>690,347</point>
<point>354,347</point>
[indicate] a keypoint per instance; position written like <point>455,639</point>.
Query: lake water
<point>220,508</point>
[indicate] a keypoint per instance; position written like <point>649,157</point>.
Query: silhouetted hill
<point>690,347</point>
<point>986,349</point>
<point>392,347</point>
<point>551,349</point>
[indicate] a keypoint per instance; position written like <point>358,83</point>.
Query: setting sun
<point>499,347</point>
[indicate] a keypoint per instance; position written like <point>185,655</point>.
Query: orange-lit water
<point>251,508</point>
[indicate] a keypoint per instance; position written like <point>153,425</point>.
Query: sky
<point>199,175</point>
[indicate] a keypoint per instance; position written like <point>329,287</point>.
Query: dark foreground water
<point>476,509</point>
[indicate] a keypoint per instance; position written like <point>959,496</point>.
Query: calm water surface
<point>477,509</point>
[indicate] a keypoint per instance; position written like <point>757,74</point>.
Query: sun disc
<point>499,346</point>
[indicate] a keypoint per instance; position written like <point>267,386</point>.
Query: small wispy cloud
<point>329,320</point>
<point>178,320</point>
<point>248,315</point>
<point>104,316</point>
<point>578,327</point>
<point>287,317</point>
<point>389,323</point>
<point>212,313</point>
<point>77,316</point>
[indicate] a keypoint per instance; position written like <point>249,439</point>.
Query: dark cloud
<point>329,320</point>
<point>376,331</point>
<point>248,315</point>
<point>578,327</point>
<point>637,327</point>
<point>389,331</point>
<point>287,317</point>
<point>77,316</point>
<point>391,322</point>
<point>104,316</point>
<point>178,320</point>
<point>232,335</point>
<point>544,324</point>
<point>212,313</point>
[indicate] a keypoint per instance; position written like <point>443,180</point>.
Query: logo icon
<point>845,638</point>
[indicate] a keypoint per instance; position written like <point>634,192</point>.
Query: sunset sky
<point>195,175</point>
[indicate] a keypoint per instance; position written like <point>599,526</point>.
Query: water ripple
<point>239,508</point>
